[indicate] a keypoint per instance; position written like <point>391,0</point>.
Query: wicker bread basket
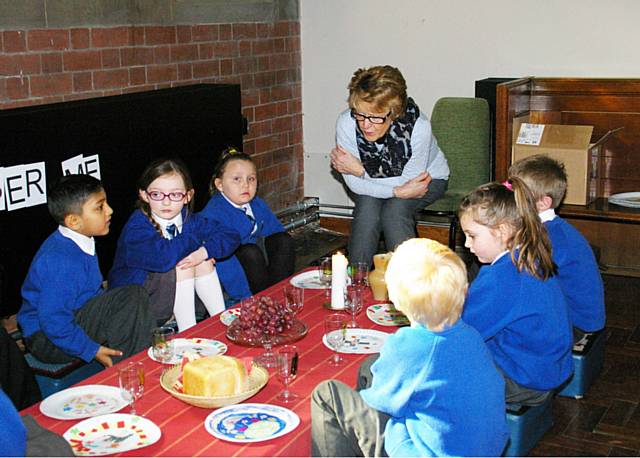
<point>257,379</point>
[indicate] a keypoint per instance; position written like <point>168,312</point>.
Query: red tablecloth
<point>182,425</point>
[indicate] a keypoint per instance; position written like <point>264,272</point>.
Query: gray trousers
<point>394,217</point>
<point>342,424</point>
<point>118,319</point>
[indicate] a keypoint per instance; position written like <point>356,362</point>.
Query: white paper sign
<point>24,185</point>
<point>81,165</point>
<point>530,134</point>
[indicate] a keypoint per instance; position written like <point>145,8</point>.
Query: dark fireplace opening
<point>125,132</point>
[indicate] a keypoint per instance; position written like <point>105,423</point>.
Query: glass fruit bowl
<point>236,335</point>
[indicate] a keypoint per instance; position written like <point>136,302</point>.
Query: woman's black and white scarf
<point>387,156</point>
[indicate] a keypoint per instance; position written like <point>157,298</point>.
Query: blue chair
<point>52,378</point>
<point>527,425</point>
<point>588,357</point>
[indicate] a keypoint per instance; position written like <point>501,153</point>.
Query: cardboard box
<point>569,145</point>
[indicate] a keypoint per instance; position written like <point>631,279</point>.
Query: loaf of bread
<point>214,376</point>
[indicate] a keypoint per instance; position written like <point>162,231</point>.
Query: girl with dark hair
<point>266,254</point>
<point>161,247</point>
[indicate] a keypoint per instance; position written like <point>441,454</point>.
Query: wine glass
<point>353,302</point>
<point>335,328</point>
<point>294,298</point>
<point>359,273</point>
<point>131,378</point>
<point>267,358</point>
<point>287,368</point>
<point>325,275</point>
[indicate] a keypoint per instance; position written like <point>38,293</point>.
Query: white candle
<point>339,265</point>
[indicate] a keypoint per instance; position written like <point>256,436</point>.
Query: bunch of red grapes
<point>264,317</point>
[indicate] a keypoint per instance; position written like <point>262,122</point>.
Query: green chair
<point>462,127</point>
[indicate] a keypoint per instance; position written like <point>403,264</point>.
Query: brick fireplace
<point>42,63</point>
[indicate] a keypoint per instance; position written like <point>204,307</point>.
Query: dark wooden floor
<point>606,422</point>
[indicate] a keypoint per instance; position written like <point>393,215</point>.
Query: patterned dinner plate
<point>386,315</point>
<point>201,347</point>
<point>109,434</point>
<point>250,422</point>
<point>82,402</point>
<point>308,280</point>
<point>360,341</point>
<point>229,316</point>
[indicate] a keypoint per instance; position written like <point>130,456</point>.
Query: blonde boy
<point>578,272</point>
<point>434,389</point>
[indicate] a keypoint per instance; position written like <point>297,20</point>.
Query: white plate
<point>201,347</point>
<point>386,315</point>
<point>228,316</point>
<point>308,280</point>
<point>626,199</point>
<point>361,341</point>
<point>250,422</point>
<point>82,402</point>
<point>109,434</point>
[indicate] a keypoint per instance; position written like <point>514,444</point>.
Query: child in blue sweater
<point>65,314</point>
<point>169,250</point>
<point>266,254</point>
<point>515,302</point>
<point>578,272</point>
<point>434,390</point>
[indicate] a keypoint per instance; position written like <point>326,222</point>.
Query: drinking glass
<point>287,368</point>
<point>131,378</point>
<point>359,273</point>
<point>162,341</point>
<point>353,302</point>
<point>267,358</point>
<point>335,328</point>
<point>294,298</point>
<point>325,275</point>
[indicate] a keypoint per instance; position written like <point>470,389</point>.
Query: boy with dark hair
<point>578,272</point>
<point>65,314</point>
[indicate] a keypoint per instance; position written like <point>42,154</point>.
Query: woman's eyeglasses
<point>372,119</point>
<point>175,196</point>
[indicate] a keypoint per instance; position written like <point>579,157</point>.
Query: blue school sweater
<point>13,440</point>
<point>442,391</point>
<point>578,275</point>
<point>142,249</point>
<point>60,280</point>
<point>524,322</point>
<point>218,209</point>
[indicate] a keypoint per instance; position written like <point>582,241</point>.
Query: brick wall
<point>39,66</point>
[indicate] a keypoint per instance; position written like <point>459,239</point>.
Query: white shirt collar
<point>499,256</point>
<point>547,215</point>
<point>177,220</point>
<point>245,208</point>
<point>86,244</point>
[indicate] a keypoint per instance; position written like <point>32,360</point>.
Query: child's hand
<point>104,355</point>
<point>194,259</point>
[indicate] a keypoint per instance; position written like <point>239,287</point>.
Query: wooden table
<point>182,425</point>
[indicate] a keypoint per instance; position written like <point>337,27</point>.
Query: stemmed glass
<point>267,358</point>
<point>335,328</point>
<point>325,275</point>
<point>294,298</point>
<point>353,302</point>
<point>131,378</point>
<point>287,368</point>
<point>359,273</point>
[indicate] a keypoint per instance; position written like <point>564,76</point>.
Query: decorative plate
<point>308,280</point>
<point>201,347</point>
<point>626,199</point>
<point>298,331</point>
<point>386,315</point>
<point>251,422</point>
<point>82,402</point>
<point>361,341</point>
<point>109,434</point>
<point>229,315</point>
